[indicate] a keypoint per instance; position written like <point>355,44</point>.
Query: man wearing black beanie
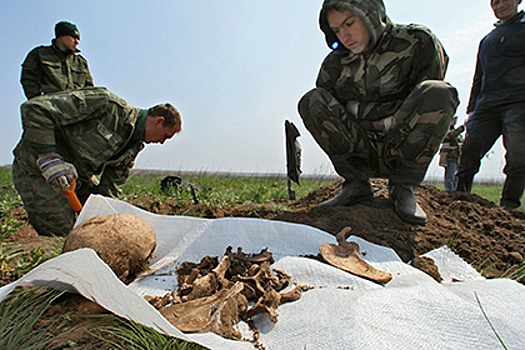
<point>57,67</point>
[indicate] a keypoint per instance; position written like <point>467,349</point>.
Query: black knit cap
<point>64,28</point>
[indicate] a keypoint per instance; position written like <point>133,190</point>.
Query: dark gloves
<point>57,172</point>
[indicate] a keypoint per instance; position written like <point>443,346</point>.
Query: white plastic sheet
<point>342,311</point>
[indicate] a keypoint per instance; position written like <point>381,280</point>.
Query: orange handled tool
<point>72,197</point>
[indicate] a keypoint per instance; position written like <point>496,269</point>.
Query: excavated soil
<point>478,230</point>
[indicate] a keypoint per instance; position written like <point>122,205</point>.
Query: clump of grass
<point>14,263</point>
<point>9,200</point>
<point>8,225</point>
<point>140,186</point>
<point>487,266</point>
<point>19,312</point>
<point>516,273</point>
<point>125,335</point>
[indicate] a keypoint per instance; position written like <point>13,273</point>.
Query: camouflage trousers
<point>401,154</point>
<point>49,212</point>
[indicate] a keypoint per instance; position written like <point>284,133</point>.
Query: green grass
<point>217,191</point>
<point>9,200</point>
<point>19,313</point>
<point>126,335</point>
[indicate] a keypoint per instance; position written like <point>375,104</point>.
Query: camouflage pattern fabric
<point>451,146</point>
<point>378,83</point>
<point>93,130</point>
<point>401,154</point>
<point>49,212</point>
<point>47,69</point>
<point>400,74</point>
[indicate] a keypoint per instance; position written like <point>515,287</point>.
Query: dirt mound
<point>478,230</point>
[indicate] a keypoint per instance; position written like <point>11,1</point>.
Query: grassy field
<point>217,191</point>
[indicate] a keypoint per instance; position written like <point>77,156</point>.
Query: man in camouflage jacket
<point>76,135</point>
<point>57,67</point>
<point>381,107</point>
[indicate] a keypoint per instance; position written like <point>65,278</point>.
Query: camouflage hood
<point>372,12</point>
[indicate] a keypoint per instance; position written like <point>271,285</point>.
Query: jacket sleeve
<point>475,88</point>
<point>117,172</point>
<point>329,73</point>
<point>430,59</point>
<point>89,78</point>
<point>112,180</point>
<point>32,75</point>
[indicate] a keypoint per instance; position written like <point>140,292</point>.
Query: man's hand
<point>57,172</point>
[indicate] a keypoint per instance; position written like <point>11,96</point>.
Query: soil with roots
<point>490,238</point>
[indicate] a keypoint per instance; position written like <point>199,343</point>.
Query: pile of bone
<point>215,296</point>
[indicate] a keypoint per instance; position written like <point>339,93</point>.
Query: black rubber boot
<point>465,183</point>
<point>512,192</point>
<point>352,192</point>
<point>405,204</point>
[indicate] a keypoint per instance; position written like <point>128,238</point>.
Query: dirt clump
<point>428,266</point>
<point>123,241</point>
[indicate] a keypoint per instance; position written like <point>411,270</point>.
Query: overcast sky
<point>234,68</point>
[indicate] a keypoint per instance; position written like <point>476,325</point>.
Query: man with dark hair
<point>79,135</point>
<point>57,67</point>
<point>497,103</point>
<point>381,107</point>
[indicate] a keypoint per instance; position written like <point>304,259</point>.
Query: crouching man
<point>380,107</point>
<point>81,135</point>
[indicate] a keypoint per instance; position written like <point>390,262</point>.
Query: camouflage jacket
<point>377,81</point>
<point>47,69</point>
<point>92,128</point>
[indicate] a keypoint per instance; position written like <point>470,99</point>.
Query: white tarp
<point>342,311</point>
